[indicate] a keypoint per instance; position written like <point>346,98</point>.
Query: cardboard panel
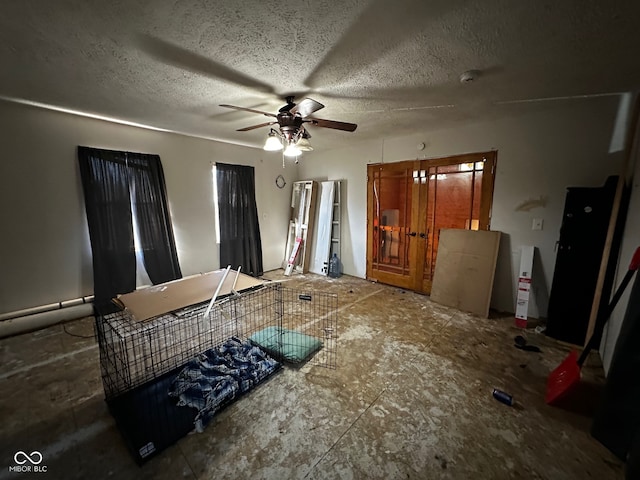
<point>465,267</point>
<point>166,297</point>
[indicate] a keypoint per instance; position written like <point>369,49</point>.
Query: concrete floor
<point>411,398</point>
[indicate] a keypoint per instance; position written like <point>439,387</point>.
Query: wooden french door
<point>390,204</point>
<point>408,203</point>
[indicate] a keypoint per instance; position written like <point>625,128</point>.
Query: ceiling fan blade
<point>252,127</point>
<point>171,54</point>
<point>244,109</point>
<point>347,127</point>
<point>306,107</point>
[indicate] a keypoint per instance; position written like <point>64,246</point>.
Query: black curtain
<point>152,213</point>
<point>105,182</point>
<point>110,180</point>
<point>240,243</point>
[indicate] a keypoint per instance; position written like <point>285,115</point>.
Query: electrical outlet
<point>537,224</point>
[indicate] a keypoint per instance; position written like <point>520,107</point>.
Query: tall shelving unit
<point>336,226</point>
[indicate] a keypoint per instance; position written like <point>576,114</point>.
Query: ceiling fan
<point>291,119</point>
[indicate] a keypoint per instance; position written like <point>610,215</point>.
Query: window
<point>237,214</point>
<point>216,210</point>
<point>127,213</point>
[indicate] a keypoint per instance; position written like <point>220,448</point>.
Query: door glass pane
<point>477,196</point>
<point>453,201</point>
<point>391,219</point>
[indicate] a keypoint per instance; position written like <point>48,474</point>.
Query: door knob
<point>423,235</point>
<point>412,234</point>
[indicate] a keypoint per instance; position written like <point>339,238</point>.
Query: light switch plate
<point>537,224</point>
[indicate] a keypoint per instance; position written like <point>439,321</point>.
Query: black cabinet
<point>585,222</point>
<point>617,422</point>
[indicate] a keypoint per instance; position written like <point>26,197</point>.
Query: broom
<point>566,376</point>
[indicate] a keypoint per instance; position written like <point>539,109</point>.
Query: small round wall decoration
<point>280,182</point>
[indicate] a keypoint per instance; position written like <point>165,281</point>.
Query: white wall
<point>348,165</point>
<point>542,149</point>
<point>45,254</point>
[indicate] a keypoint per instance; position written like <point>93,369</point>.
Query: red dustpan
<point>566,376</point>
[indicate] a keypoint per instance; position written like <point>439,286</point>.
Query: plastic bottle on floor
<point>503,397</point>
<point>334,266</point>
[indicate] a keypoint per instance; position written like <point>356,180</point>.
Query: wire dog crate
<point>148,367</point>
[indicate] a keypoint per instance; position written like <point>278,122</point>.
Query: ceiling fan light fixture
<point>292,150</point>
<point>290,132</point>
<point>273,143</point>
<point>304,145</point>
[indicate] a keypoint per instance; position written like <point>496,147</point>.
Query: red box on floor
<point>524,286</point>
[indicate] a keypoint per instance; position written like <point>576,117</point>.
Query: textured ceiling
<point>392,67</point>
